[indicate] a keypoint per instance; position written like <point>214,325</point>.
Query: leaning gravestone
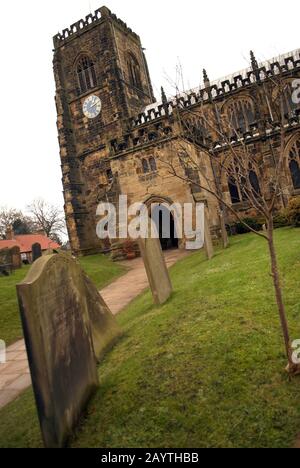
<point>105,329</point>
<point>156,269</point>
<point>57,330</point>
<point>208,243</point>
<point>224,233</point>
<point>36,252</point>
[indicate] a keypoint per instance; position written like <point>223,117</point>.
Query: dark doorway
<point>165,226</point>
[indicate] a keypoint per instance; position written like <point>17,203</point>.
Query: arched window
<point>134,71</point>
<point>234,192</point>
<point>254,183</point>
<point>294,164</point>
<point>197,128</point>
<point>145,166</point>
<point>152,163</point>
<point>241,115</point>
<point>86,74</point>
<point>283,98</point>
<point>289,106</point>
<point>295,173</point>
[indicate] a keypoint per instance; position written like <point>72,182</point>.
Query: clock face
<point>92,107</point>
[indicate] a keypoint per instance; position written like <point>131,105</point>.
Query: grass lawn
<point>99,268</point>
<point>104,275</point>
<point>204,370</point>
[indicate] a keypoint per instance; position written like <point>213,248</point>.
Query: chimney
<point>10,235</point>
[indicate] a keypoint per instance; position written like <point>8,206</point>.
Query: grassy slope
<point>204,370</point>
<point>104,275</point>
<point>100,269</point>
<point>10,324</point>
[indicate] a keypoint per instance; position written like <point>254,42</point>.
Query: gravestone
<point>6,265</point>
<point>5,257</point>
<point>57,330</point>
<point>105,329</point>
<point>156,269</point>
<point>16,257</point>
<point>208,243</point>
<point>36,252</point>
<point>224,233</point>
<point>2,352</point>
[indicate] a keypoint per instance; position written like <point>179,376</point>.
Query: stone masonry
<point>127,147</point>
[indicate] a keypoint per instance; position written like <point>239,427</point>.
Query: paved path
<point>122,291</point>
<point>15,375</point>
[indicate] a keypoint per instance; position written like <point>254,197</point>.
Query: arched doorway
<point>165,225</point>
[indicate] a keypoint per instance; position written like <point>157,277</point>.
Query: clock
<point>92,107</point>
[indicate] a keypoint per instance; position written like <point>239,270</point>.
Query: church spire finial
<point>205,78</point>
<point>254,62</point>
<point>163,96</point>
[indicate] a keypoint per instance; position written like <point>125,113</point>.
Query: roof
<point>25,242</point>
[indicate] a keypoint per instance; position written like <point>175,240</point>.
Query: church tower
<point>102,80</point>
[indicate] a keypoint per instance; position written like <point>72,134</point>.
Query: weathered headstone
<point>208,244</point>
<point>224,233</point>
<point>156,270</point>
<point>2,352</point>
<point>5,257</point>
<point>57,330</point>
<point>36,252</point>
<point>16,257</point>
<point>6,265</point>
<point>105,329</point>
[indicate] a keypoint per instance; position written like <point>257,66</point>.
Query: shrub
<point>240,228</point>
<point>281,220</point>
<point>293,211</point>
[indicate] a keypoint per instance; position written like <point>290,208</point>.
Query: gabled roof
<point>25,242</point>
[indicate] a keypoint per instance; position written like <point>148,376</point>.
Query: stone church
<point>115,138</point>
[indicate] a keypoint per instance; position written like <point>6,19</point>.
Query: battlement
<point>85,24</point>
<point>160,131</point>
<point>263,70</point>
<point>221,88</point>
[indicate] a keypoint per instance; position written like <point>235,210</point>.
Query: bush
<point>293,211</point>
<point>240,228</point>
<point>281,220</point>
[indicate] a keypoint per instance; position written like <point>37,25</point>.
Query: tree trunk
<point>279,298</point>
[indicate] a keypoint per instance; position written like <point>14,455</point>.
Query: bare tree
<point>8,216</point>
<point>23,225</point>
<point>48,218</point>
<point>230,158</point>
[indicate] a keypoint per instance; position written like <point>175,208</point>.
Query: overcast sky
<point>216,35</point>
